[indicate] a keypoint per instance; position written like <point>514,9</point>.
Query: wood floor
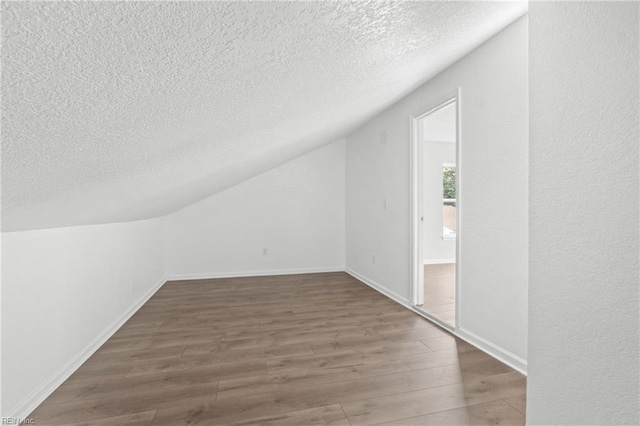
<point>286,350</point>
<point>440,291</point>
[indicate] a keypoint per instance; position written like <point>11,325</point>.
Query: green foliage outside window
<point>449,182</point>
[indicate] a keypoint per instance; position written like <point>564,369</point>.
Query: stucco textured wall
<point>583,285</point>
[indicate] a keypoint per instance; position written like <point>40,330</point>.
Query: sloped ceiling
<point>116,111</point>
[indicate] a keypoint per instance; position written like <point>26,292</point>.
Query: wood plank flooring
<point>440,291</point>
<point>284,350</point>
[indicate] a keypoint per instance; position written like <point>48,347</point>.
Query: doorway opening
<point>436,211</point>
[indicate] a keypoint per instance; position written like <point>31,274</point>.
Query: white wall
<point>435,248</point>
<point>295,211</point>
<point>440,125</point>
<point>494,192</point>
<point>64,290</point>
<point>583,298</point>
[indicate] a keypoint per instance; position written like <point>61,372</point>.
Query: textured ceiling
<point>115,111</point>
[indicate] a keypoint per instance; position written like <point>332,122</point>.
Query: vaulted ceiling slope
<point>117,111</point>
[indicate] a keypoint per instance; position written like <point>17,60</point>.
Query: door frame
<point>416,207</point>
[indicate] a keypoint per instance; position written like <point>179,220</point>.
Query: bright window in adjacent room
<point>448,201</point>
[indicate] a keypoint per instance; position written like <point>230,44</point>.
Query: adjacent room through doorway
<point>437,202</point>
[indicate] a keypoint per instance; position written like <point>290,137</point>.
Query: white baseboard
<point>379,288</point>
<point>494,350</point>
<point>484,345</point>
<point>265,273</point>
<point>439,261</point>
<point>38,395</point>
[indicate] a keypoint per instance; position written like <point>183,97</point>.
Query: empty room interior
<point>345,213</point>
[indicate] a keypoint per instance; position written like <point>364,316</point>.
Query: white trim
<point>436,141</point>
<point>38,395</point>
<point>213,275</point>
<point>480,343</point>
<point>459,197</point>
<point>415,212</point>
<point>379,288</point>
<point>498,352</point>
<point>439,261</point>
<point>437,321</point>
